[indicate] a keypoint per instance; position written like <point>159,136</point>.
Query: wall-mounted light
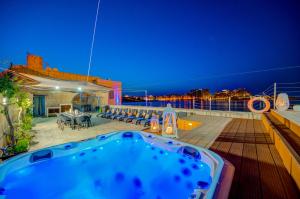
<point>57,87</point>
<point>190,124</point>
<point>79,88</point>
<point>4,101</point>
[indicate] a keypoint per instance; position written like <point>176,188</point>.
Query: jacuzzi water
<point>122,165</point>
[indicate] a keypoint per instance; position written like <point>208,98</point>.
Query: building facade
<point>53,91</point>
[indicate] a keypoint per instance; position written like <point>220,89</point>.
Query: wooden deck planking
<point>286,179</point>
<point>215,145</point>
<point>230,133</point>
<point>259,171</point>
<point>270,179</point>
<point>260,135</point>
<point>235,156</point>
<point>249,181</point>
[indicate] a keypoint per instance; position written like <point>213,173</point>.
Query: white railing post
<point>146,97</point>
<point>229,102</point>
<point>274,96</point>
<point>193,102</point>
<point>201,102</point>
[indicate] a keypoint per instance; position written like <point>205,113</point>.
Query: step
<point>287,144</point>
<point>291,137</point>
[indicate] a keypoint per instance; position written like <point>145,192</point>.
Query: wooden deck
<point>259,170</point>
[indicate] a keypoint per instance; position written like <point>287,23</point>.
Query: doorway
<point>39,105</point>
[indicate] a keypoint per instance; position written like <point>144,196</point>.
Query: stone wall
<point>55,99</point>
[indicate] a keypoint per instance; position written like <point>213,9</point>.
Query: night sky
<point>165,46</point>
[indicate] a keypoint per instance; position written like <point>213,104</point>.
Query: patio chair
<point>147,122</point>
<point>104,113</point>
<point>131,114</point>
<point>108,115</point>
<point>63,120</point>
<point>146,118</point>
<point>119,113</point>
<point>127,113</point>
<point>123,114</point>
<point>139,117</point>
<point>83,121</point>
<point>137,114</point>
<point>160,117</point>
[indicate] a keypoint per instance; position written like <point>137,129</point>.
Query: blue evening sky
<point>165,46</point>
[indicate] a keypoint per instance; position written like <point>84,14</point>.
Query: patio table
<point>73,118</point>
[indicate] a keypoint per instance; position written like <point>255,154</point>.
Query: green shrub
<point>21,145</point>
<point>26,124</point>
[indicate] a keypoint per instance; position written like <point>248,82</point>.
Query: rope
<point>93,40</point>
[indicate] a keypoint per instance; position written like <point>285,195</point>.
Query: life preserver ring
<point>252,100</point>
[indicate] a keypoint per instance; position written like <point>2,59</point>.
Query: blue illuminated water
<point>125,168</point>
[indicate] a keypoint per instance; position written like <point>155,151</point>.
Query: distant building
<point>54,91</point>
<point>200,93</point>
<point>240,93</point>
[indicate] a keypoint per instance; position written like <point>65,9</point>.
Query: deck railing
<point>292,89</point>
<point>230,103</point>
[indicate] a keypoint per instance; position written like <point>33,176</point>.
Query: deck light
<point>79,88</point>
<point>169,127</point>
<point>190,123</point>
<point>57,87</point>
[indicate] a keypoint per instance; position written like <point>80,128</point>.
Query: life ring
<point>252,100</point>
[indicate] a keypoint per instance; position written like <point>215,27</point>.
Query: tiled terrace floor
<point>47,132</point>
<point>205,135</point>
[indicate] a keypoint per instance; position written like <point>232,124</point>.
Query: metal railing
<point>233,104</point>
<point>292,89</point>
<point>227,104</point>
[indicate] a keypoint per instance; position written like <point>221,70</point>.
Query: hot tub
<point>118,165</point>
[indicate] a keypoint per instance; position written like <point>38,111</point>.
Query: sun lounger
<point>108,115</point>
<point>113,117</point>
<point>131,115</point>
<point>146,119</point>
<point>123,114</point>
<point>135,116</point>
<point>139,117</point>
